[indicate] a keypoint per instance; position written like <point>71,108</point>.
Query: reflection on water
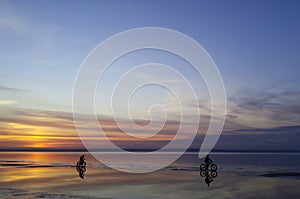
<point>81,166</point>
<point>243,176</point>
<point>208,170</point>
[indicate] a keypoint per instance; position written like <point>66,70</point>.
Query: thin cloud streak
<point>27,128</point>
<point>265,109</point>
<point>11,89</point>
<point>7,102</point>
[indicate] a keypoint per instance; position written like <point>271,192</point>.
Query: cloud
<point>284,138</point>
<point>7,102</point>
<point>266,108</point>
<point>275,130</point>
<point>56,129</point>
<point>12,89</point>
<point>28,127</point>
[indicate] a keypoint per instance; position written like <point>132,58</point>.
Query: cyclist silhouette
<point>207,160</point>
<point>82,158</point>
<point>81,166</point>
<point>208,170</point>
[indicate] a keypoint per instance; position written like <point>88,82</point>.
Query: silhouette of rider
<point>207,160</point>
<point>82,159</point>
<point>81,166</point>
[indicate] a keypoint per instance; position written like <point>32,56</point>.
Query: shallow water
<point>240,175</point>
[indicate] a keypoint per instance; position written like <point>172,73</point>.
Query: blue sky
<point>255,45</point>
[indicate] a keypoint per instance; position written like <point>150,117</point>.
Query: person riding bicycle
<point>81,162</point>
<point>207,160</point>
<point>82,159</point>
<point>81,166</point>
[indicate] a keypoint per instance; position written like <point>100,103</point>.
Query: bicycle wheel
<point>202,173</point>
<point>202,167</point>
<point>213,167</point>
<point>214,174</point>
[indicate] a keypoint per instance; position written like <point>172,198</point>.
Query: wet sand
<point>41,175</point>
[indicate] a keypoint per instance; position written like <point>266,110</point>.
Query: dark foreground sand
<point>27,194</point>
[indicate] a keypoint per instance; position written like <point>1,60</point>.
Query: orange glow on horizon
<point>56,131</point>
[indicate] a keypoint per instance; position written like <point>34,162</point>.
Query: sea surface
<point>239,175</point>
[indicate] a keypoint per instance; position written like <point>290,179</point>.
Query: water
<point>239,175</point>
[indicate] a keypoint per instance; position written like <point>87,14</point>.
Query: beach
<point>53,175</point>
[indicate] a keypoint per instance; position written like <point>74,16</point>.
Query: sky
<point>255,45</point>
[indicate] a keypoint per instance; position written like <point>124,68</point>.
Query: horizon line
<point>152,150</point>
